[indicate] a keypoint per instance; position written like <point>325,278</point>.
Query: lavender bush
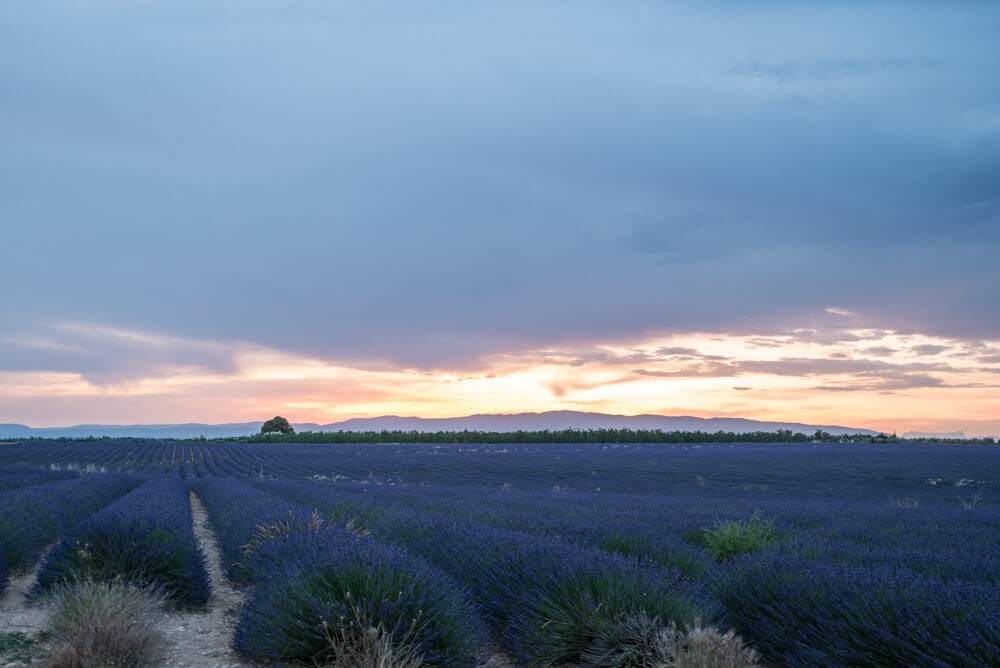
<point>4,570</point>
<point>818,613</point>
<point>320,586</point>
<point>327,589</point>
<point>864,531</point>
<point>13,478</point>
<point>32,517</point>
<point>236,511</point>
<point>144,538</point>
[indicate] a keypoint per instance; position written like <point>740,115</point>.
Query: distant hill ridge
<point>551,420</point>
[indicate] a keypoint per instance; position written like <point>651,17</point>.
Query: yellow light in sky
<point>862,378</point>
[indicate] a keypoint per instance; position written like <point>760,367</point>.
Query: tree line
<point>584,436</point>
<point>545,436</point>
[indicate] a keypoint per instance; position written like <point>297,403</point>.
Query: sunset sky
<point>220,211</point>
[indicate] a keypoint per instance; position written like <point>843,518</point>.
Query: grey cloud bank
<point>425,182</point>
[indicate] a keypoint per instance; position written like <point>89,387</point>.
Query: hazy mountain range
<point>552,420</point>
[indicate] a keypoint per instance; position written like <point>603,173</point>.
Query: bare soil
<point>202,639</point>
<point>17,616</point>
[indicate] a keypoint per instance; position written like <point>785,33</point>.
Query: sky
<point>221,211</point>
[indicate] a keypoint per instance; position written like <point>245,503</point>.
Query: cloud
<point>886,382</point>
<point>834,336</point>
<point>565,387</point>
<point>827,366</point>
<point>103,355</point>
<point>217,172</point>
<point>826,69</point>
<point>677,350</point>
<point>767,342</point>
<point>154,377</point>
<point>585,355</point>
<point>861,374</point>
<point>864,374</point>
<point>879,351</point>
<point>706,370</point>
<point>928,350</point>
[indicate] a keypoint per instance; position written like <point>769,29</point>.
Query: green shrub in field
<point>727,538</point>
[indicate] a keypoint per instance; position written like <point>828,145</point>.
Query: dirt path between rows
<point>16,615</point>
<point>199,639</point>
<point>202,639</point>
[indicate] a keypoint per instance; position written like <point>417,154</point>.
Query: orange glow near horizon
<point>859,378</point>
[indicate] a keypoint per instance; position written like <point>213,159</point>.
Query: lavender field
<point>821,554</point>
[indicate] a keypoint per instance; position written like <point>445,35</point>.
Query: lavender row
<point>924,474</point>
<point>906,586</point>
<point>146,537</point>
<point>654,530</point>
<point>543,596</point>
<point>927,550</point>
<point>950,543</point>
<point>237,512</point>
<point>661,530</point>
<point>4,570</point>
<point>14,478</point>
<point>317,585</point>
<point>818,613</point>
<point>32,517</point>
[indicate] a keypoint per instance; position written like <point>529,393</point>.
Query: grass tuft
<point>641,641</point>
<point>4,571</point>
<point>105,623</point>
<point>360,642</point>
<point>17,648</point>
<point>633,641</point>
<point>728,538</point>
<point>705,647</point>
<point>565,618</point>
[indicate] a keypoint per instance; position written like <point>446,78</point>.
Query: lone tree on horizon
<point>277,424</point>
